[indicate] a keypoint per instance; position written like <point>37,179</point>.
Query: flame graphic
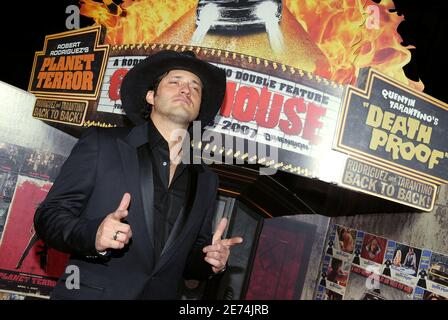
<point>341,29</point>
<point>354,34</point>
<point>143,22</point>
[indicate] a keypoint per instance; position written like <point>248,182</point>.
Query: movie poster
<point>27,265</point>
<point>363,266</point>
<point>433,275</point>
<point>369,285</point>
<point>281,260</point>
<point>8,181</point>
<point>345,239</point>
<point>31,155</point>
<point>423,294</point>
<point>4,295</point>
<point>373,249</point>
<point>334,277</point>
<point>405,261</point>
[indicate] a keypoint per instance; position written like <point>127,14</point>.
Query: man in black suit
<point>133,218</point>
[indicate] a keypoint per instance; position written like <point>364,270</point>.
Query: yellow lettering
<point>388,119</point>
<point>434,159</point>
<point>400,125</point>
<point>424,134</point>
<point>379,138</point>
<point>393,145</point>
<point>413,125</point>
<point>374,116</point>
<point>422,153</point>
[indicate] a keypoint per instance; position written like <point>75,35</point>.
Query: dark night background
<point>25,24</point>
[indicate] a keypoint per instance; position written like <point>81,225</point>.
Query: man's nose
<point>185,88</point>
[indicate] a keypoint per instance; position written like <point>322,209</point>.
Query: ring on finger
<point>116,235</point>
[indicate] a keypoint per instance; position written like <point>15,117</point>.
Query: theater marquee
<point>67,74</point>
<point>395,126</point>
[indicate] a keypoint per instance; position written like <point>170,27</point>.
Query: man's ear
<point>150,97</point>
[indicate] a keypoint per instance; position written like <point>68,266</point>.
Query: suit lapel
<point>129,163</point>
<point>147,189</point>
<point>185,221</point>
<point>137,168</point>
<point>188,204</point>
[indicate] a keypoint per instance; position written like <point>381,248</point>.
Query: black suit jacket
<point>103,165</point>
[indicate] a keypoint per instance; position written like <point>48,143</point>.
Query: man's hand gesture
<point>112,233</point>
<point>218,252</point>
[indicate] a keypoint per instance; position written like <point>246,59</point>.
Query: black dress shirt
<point>169,199</point>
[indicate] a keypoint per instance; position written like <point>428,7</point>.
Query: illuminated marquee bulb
<point>278,165</point>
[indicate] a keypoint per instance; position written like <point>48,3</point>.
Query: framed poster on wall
<point>281,260</point>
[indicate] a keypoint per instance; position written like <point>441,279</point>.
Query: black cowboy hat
<point>142,78</point>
